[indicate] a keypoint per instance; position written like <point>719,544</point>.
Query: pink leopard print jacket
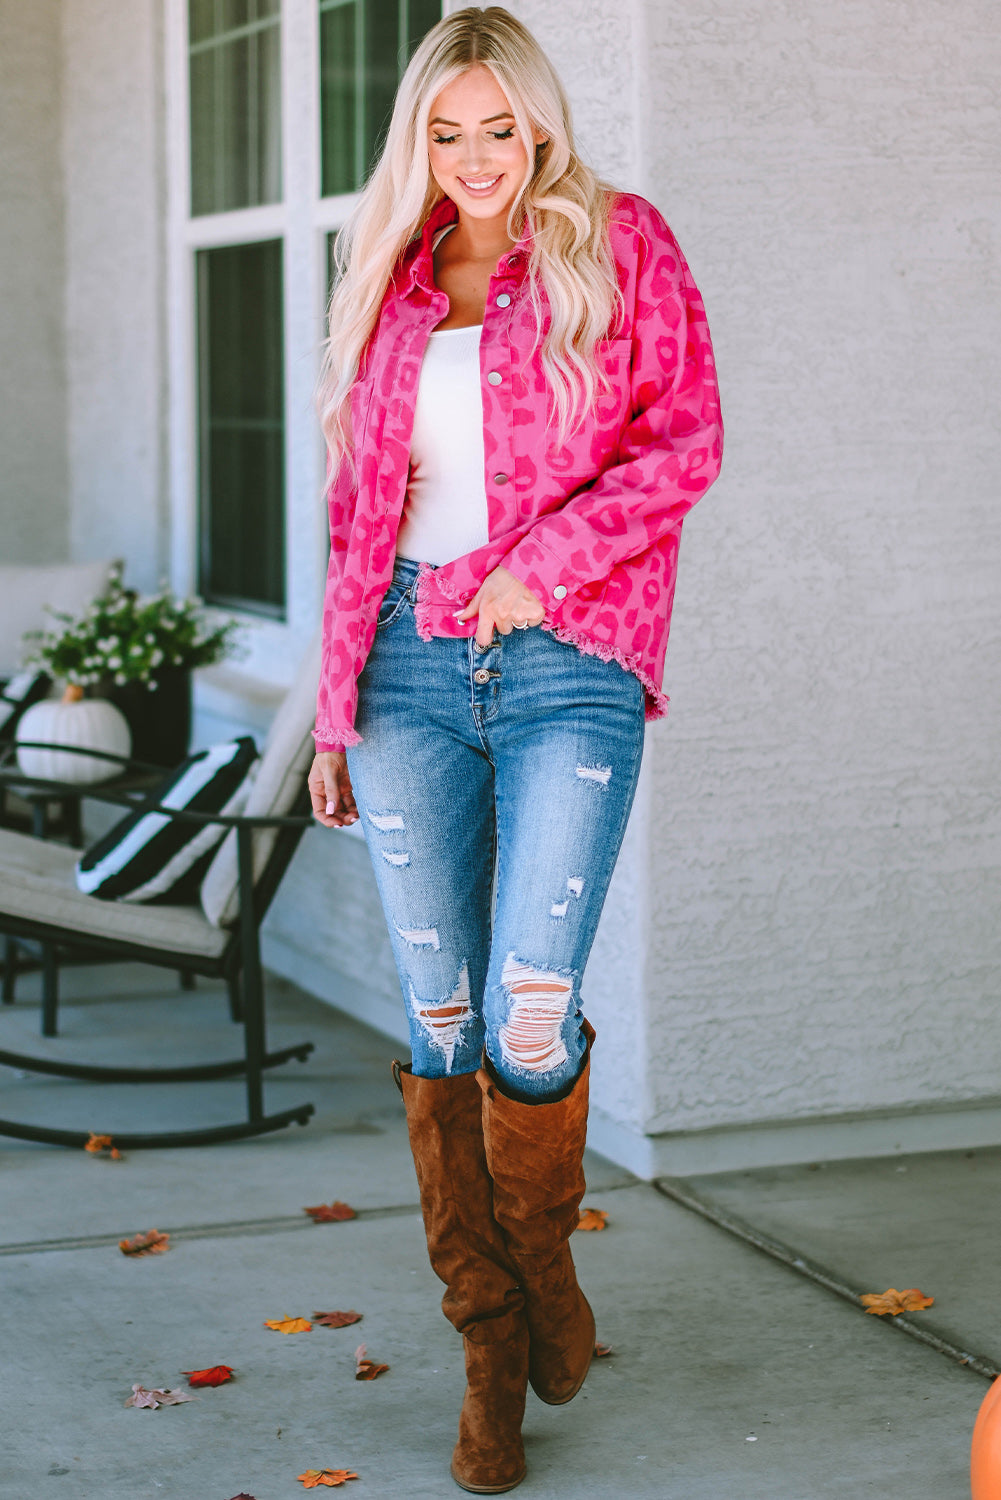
<point>591,525</point>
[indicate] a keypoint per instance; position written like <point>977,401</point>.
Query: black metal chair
<point>219,939</point>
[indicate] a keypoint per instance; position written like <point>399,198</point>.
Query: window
<point>241,428</point>
<point>275,109</point>
<point>364,47</point>
<point>235,73</point>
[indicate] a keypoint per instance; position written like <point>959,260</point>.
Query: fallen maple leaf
<point>367,1369</point>
<point>152,1242</point>
<point>98,1143</point>
<point>288,1325</point>
<point>216,1375</point>
<point>313,1478</point>
<point>331,1213</point>
<point>152,1399</point>
<point>336,1319</point>
<point>593,1218</point>
<point>891,1302</point>
<point>602,1351</point>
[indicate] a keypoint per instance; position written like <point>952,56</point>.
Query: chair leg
<point>235,998</point>
<point>50,990</point>
<point>10,962</point>
<point>187,979</point>
<point>253,985</point>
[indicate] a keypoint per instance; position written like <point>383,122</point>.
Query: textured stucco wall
<point>33,503</point>
<point>825,851</point>
<point>112,123</point>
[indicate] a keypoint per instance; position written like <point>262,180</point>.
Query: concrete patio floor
<point>733,1378</point>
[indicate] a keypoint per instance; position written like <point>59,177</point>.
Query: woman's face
<point>477,155</point>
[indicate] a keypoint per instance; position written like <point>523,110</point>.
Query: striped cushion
<point>149,856</point>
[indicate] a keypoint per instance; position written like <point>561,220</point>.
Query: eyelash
<point>498,135</point>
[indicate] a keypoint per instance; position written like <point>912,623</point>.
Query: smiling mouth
<point>480,184</point>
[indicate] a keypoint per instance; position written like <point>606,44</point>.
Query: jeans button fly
<point>481,675</point>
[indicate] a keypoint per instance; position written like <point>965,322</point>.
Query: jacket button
<point>500,479</point>
<point>481,675</point>
<point>503,300</point>
<point>560,591</point>
<point>495,377</point>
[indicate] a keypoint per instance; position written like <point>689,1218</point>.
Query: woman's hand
<point>501,601</point>
<point>330,790</point>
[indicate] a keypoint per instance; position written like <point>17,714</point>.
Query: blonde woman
<point>520,405</point>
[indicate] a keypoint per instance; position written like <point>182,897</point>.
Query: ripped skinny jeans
<point>493,788</point>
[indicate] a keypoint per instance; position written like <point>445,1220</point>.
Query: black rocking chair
<point>39,901</point>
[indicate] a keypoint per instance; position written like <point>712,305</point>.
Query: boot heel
<point>489,1457</point>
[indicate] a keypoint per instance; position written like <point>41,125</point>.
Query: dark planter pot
<point>160,719</point>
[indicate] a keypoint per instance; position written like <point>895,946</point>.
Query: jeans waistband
<point>405,572</point>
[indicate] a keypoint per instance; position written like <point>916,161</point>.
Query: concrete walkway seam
<point>680,1192</point>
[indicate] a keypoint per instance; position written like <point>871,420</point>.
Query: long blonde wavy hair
<point>562,205</point>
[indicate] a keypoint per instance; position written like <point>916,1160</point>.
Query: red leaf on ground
<point>98,1143</point>
<point>331,1213</point>
<point>336,1319</point>
<point>592,1218</point>
<point>288,1325</point>
<point>602,1351</point>
<point>891,1302</point>
<point>152,1399</point>
<point>313,1478</point>
<point>152,1242</point>
<point>215,1375</point>
<point>367,1369</point>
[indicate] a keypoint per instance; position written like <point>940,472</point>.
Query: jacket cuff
<point>541,570</point>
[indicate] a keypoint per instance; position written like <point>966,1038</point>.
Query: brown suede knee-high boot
<point>534,1155</point>
<point>483,1299</point>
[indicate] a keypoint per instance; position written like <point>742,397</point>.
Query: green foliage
<point>123,637</point>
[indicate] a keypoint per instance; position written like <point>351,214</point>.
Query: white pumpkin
<point>90,723</point>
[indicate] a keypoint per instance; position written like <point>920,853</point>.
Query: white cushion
<point>25,591</point>
<point>285,760</point>
<point>38,881</point>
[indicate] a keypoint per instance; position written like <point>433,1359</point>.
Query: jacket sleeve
<point>669,450</point>
<point>334,698</point>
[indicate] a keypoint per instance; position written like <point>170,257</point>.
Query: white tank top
<point>445,512</point>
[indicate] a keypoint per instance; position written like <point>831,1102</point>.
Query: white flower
<point>120,677</point>
<point>114,661</point>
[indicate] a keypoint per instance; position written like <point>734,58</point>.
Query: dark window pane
<point>362,58</point>
<point>213,17</point>
<point>236,115</point>
<point>339,98</point>
<point>383,70</point>
<point>421,16</point>
<point>241,427</point>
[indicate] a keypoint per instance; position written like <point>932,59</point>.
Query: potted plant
<point>139,652</point>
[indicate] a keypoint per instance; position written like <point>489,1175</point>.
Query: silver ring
<point>520,624</point>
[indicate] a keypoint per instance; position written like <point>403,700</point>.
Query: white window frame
<point>302,221</point>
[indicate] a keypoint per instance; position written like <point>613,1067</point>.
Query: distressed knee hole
<point>396,857</point>
<point>386,822</point>
<point>420,937</point>
<point>442,1021</point>
<point>599,774</point>
<point>531,1039</point>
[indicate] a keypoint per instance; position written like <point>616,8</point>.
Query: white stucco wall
<point>825,850</point>
<point>112,126</point>
<point>34,512</point>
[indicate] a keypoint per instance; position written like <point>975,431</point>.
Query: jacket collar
<point>417,264</point>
